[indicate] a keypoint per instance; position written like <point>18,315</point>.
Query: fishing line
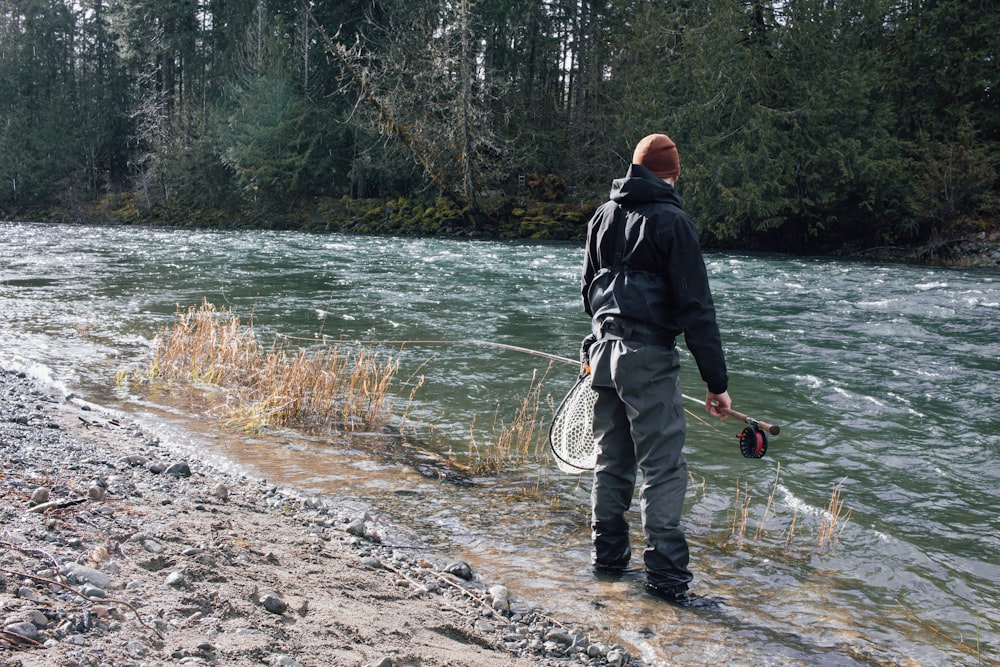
<point>570,446</point>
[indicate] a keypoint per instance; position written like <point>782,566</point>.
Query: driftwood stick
<point>44,580</point>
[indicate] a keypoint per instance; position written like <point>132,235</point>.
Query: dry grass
<point>835,520</point>
<point>779,532</point>
<point>515,443</point>
<point>323,388</point>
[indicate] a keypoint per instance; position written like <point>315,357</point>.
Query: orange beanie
<point>658,153</point>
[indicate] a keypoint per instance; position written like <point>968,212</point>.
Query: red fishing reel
<point>753,442</point>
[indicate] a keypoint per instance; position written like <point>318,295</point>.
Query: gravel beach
<point>115,552</point>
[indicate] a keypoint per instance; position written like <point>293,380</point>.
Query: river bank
<point>537,221</point>
<point>115,552</point>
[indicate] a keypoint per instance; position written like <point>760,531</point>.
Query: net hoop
<point>571,434</point>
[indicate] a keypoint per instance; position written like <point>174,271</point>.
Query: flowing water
<point>884,379</point>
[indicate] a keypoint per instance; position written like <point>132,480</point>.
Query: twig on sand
<point>54,582</point>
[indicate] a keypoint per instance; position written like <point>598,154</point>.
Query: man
<point>645,283</point>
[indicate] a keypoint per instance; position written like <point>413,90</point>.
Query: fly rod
<point>773,429</point>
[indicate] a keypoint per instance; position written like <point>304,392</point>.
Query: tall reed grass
<point>771,531</point>
<point>517,442</point>
<point>327,387</point>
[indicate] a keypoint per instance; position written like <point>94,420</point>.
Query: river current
<point>868,535</point>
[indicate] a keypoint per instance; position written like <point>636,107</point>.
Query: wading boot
<point>682,597</point>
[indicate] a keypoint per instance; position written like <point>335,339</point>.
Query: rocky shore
<point>114,552</point>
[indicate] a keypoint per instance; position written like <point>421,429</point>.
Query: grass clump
<point>521,440</point>
<point>324,388</point>
<point>780,534</point>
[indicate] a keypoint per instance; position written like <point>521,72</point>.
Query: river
<point>884,378</point>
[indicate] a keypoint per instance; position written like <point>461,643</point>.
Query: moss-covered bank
<point>500,217</point>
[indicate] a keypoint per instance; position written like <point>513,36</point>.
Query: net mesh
<point>571,436</point>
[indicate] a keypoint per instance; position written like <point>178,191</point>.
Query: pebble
<point>176,579</point>
<point>78,574</point>
<point>356,527</point>
<point>372,562</point>
<point>459,569</point>
<point>273,603</point>
<point>179,469</point>
<point>500,598</point>
<point>24,629</point>
<point>39,496</point>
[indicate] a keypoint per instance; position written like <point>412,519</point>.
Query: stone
<point>273,603</point>
<point>356,528</point>
<point>91,591</point>
<point>39,496</point>
<point>176,579</point>
<point>460,569</point>
<point>76,573</point>
<point>179,469</point>
<point>500,598</point>
<point>372,562</point>
<point>23,629</point>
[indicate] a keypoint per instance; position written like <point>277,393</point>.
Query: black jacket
<point>644,268</point>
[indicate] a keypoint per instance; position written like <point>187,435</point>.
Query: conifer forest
<point>802,125</point>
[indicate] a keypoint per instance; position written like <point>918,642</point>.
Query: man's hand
<point>715,403</point>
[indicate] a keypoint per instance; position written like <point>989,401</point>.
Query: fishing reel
<point>753,442</point>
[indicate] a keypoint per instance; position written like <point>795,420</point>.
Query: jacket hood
<point>641,186</point>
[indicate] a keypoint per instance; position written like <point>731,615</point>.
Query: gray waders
<point>639,424</point>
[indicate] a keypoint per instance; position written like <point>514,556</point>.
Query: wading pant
<point>639,423</point>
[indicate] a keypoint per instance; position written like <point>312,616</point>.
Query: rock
<point>24,629</point>
<point>221,492</point>
<point>286,661</point>
<point>39,496</point>
<point>273,603</point>
<point>152,546</point>
<point>372,562</point>
<point>26,593</point>
<point>96,492</point>
<point>500,598</point>
<point>385,662</point>
<point>460,569</point>
<point>176,579</point>
<point>179,469</point>
<point>356,528</point>
<point>78,574</point>
<point>91,591</point>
